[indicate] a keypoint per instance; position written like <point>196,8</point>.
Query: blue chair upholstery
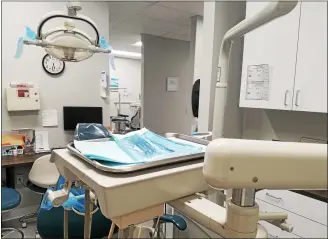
<point>50,224</point>
<point>10,198</point>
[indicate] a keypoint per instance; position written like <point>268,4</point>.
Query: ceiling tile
<point>167,14</point>
<point>121,10</point>
<point>194,7</point>
<point>142,24</point>
<point>130,19</point>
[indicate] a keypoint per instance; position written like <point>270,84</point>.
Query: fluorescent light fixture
<point>127,54</point>
<point>138,43</point>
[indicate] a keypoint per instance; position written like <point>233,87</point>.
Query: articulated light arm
<point>271,12</point>
<point>78,17</point>
<point>68,43</point>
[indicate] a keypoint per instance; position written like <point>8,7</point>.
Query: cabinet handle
<point>269,195</point>
<point>285,100</point>
<point>297,97</point>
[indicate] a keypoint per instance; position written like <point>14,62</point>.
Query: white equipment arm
<point>257,164</point>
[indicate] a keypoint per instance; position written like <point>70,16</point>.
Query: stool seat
<point>10,198</point>
<point>43,174</point>
<point>176,220</point>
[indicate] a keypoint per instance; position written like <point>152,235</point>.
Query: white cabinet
<point>310,91</point>
<point>285,61</point>
<point>307,216</point>
<point>274,44</point>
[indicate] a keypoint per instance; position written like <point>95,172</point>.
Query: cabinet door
<point>310,92</point>
<point>273,47</point>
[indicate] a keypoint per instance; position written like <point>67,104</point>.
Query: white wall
<point>219,17</point>
<point>196,45</point>
<point>77,86</point>
<point>164,111</point>
<point>129,73</point>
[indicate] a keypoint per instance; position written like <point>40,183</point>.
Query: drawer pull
<point>297,98</point>
<point>285,100</point>
<point>269,195</point>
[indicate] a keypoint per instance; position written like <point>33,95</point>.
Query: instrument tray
<point>123,168</point>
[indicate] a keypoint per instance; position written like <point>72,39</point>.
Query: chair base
<point>9,230</point>
<point>31,217</point>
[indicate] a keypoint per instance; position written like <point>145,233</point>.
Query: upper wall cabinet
<point>269,61</point>
<point>285,61</point>
<point>310,90</point>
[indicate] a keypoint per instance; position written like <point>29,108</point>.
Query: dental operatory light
<point>68,43</point>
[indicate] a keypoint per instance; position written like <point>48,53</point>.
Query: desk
<point>9,162</point>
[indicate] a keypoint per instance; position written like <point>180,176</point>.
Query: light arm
<point>78,17</point>
<point>271,12</point>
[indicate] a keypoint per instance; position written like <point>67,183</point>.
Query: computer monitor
<point>74,115</point>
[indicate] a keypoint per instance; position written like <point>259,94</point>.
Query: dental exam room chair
<point>50,221</point>
<point>50,224</point>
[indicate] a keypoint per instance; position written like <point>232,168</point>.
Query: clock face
<point>52,65</point>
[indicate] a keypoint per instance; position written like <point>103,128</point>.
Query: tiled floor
<point>29,231</point>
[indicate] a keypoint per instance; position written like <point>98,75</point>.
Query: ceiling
<point>168,19</point>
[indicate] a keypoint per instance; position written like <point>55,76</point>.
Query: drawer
<point>303,227</point>
<point>296,203</point>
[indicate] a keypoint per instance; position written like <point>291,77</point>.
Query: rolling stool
<point>10,199</point>
<point>176,220</point>
<point>42,175</point>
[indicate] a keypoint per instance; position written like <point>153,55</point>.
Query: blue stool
<point>10,199</point>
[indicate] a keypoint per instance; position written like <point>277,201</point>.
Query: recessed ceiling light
<point>138,43</point>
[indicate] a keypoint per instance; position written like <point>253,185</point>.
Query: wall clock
<point>52,65</point>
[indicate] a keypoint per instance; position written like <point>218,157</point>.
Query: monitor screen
<point>75,115</point>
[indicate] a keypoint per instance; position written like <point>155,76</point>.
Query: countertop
<point>321,195</point>
<point>10,161</point>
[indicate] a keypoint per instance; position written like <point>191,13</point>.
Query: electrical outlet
<point>19,179</point>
